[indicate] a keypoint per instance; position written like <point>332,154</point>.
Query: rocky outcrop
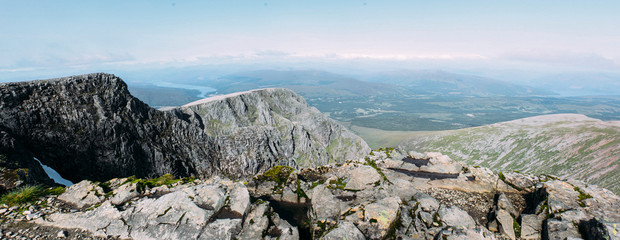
<point>258,128</point>
<point>315,203</point>
<point>91,127</point>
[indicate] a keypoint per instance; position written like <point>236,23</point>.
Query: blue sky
<point>43,35</point>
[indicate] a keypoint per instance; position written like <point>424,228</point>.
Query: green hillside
<point>567,145</point>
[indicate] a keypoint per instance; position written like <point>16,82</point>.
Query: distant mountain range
<point>566,145</point>
<point>308,83</point>
<point>441,83</point>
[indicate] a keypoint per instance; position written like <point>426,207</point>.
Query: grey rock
<point>561,196</point>
<point>531,226</point>
<point>363,177</point>
<point>427,218</point>
<point>560,230</point>
<point>454,216</point>
<point>379,217</point>
<point>82,194</point>
<point>506,223</point>
<point>284,229</point>
<point>345,230</point>
<point>427,203</point>
<point>221,229</point>
<point>239,199</point>
<point>324,204</point>
<point>123,193</point>
<point>504,203</point>
<point>441,164</point>
<point>256,222</point>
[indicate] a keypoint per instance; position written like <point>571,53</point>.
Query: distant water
<point>204,91</point>
<point>54,175</point>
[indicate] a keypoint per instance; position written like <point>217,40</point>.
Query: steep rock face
<point>255,128</point>
<point>91,127</point>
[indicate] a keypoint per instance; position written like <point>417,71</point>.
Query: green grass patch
<point>23,195</point>
<point>278,174</point>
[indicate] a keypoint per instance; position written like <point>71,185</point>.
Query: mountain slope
<point>91,127</point>
<point>567,145</point>
<point>273,123</point>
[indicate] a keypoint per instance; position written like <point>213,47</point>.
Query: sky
<point>40,36</point>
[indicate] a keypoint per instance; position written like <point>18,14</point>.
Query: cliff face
<point>257,127</point>
<point>90,127</point>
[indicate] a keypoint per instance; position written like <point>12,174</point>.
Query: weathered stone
<point>284,229</point>
<point>531,226</point>
<point>82,194</point>
<point>256,222</point>
<point>221,229</point>
<point>427,203</point>
<point>454,216</point>
<point>559,230</point>
<point>123,193</point>
<point>440,163</point>
<point>363,177</point>
<point>324,204</point>
<point>504,203</point>
<point>561,196</point>
<point>506,223</point>
<point>345,230</point>
<point>239,199</point>
<point>379,217</point>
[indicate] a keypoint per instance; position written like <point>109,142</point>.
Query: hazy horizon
<point>51,39</point>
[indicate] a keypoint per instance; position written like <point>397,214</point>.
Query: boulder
<point>454,216</point>
<point>123,193</point>
<point>506,223</point>
<point>345,230</point>
<point>83,194</point>
<point>239,199</point>
<point>363,177</point>
<point>324,204</point>
<point>557,229</point>
<point>256,222</point>
<point>440,163</point>
<point>221,229</point>
<point>531,226</point>
<point>561,196</point>
<point>504,203</point>
<point>379,217</point>
<point>427,203</point>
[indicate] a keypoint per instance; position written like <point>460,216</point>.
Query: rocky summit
<point>91,127</point>
<point>387,195</point>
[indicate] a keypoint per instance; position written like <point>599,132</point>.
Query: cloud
<point>561,58</point>
<point>67,61</point>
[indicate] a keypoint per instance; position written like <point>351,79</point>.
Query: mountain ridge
<point>90,127</point>
<point>568,145</point>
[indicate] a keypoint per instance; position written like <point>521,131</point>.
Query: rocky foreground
<point>387,195</point>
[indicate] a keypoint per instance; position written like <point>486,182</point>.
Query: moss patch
<point>278,174</point>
